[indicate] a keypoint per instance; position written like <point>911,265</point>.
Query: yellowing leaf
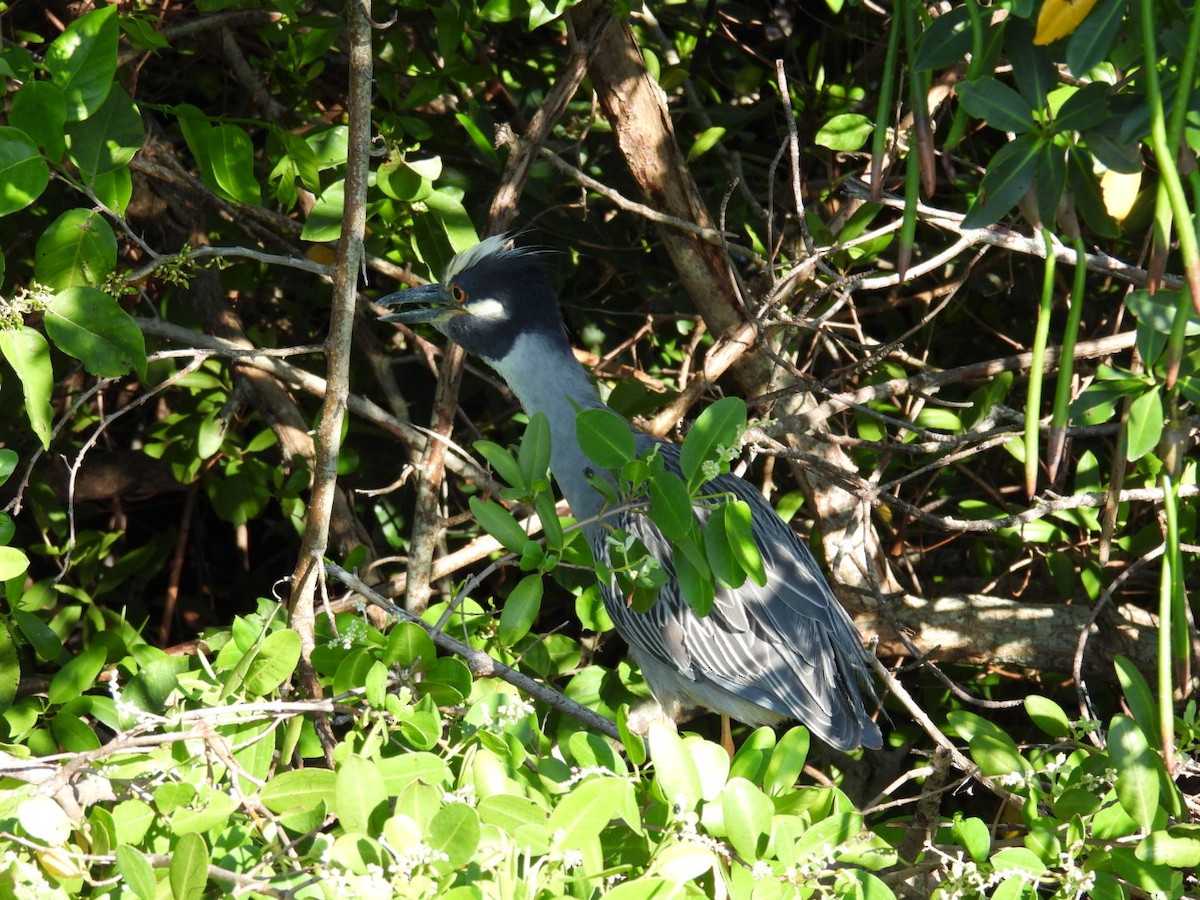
<point>1119,190</point>
<point>1058,18</point>
<point>60,863</point>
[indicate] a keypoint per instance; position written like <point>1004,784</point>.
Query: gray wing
<point>788,646</point>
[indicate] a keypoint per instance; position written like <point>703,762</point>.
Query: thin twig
<point>480,663</point>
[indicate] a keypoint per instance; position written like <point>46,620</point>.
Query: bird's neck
<point>544,374</point>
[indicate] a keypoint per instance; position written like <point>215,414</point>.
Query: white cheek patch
<point>488,309</point>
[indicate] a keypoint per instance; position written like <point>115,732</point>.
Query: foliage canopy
<point>887,229</point>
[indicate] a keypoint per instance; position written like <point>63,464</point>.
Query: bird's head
<point>489,296</point>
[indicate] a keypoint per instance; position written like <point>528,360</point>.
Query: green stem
<point>1170,591</point>
<point>1066,362</point>
<point>1037,369</point>
<point>1172,185</point>
<point>883,112</point>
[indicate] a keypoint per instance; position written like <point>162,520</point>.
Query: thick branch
<point>341,324</point>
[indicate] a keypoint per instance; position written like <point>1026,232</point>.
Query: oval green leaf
<point>90,326</point>
<point>23,172</point>
<point>77,676</point>
<point>1137,781</point>
<point>716,431</point>
<point>671,506</point>
<point>845,133</point>
<point>499,523</point>
<point>521,609</point>
<point>78,248</point>
<point>605,438</point>
<point>996,104</point>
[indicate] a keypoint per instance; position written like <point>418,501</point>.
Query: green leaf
<point>1048,716</point>
<point>635,744</point>
<point>787,761</point>
<point>1138,697</point>
<point>454,219</point>
<point>739,530</point>
<point>231,153</point>
<point>44,640</point>
<point>298,789</point>
<point>845,133</point>
<point>945,42</point>
<point>974,836</point>
<point>1177,847</point>
<point>408,768</point>
<point>747,813</point>
<point>1051,179</point>
<point>29,355</point>
<point>409,646</point>
<point>675,774</point>
<point>114,189</point>
<point>136,872</point>
<point>78,675</point>
<point>996,104</point>
<point>1092,38</point>
<point>77,248</point>
<point>89,325</point>
<point>448,679</point>
<point>1086,108</point>
<point>1009,175</point>
<point>273,662</point>
<point>455,831</point>
<point>997,755</point>
<point>358,792</point>
<point>352,671</point>
<point>714,435</point>
<point>718,547</point>
<point>1032,69</point>
<point>1137,781</point>
<point>188,873</point>
<point>500,459</point>
<point>23,172</point>
<point>543,505</point>
<point>671,506</point>
<point>499,523</point>
<point>140,32</point>
<point>1020,859</point>
<point>39,110</point>
<point>534,453</point>
<point>509,812</point>
<point>10,668</point>
<point>521,609</point>
<point>705,142</point>
<point>1157,311</point>
<point>694,575</point>
<point>324,222</point>
<point>44,819</point>
<point>590,806</point>
<point>83,61</point>
<point>605,437</point>
<point>109,138</point>
<point>1145,425</point>
<point>210,809</point>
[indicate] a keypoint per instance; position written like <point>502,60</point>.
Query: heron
<point>763,655</point>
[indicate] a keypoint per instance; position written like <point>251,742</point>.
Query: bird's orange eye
<point>457,294</point>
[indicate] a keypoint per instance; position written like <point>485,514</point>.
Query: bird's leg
<point>726,735</point>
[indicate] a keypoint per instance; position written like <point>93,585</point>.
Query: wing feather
<point>788,646</point>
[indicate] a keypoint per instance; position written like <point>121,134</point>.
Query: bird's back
<point>764,654</point>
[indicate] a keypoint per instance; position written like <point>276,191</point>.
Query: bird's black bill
<point>422,304</point>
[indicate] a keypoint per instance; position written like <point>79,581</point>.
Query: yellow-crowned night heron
<point>763,655</point>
